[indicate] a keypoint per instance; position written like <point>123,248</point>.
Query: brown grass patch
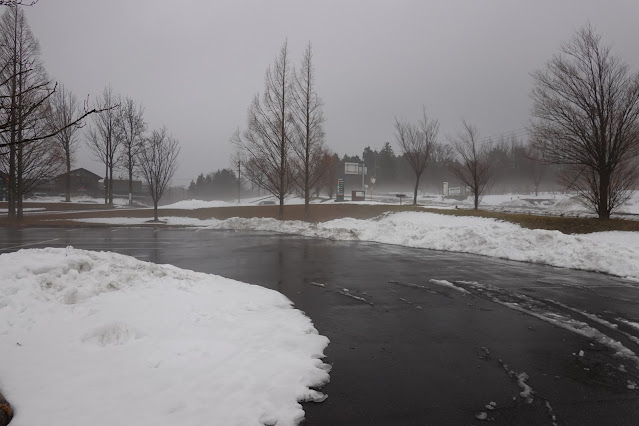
<point>329,211</point>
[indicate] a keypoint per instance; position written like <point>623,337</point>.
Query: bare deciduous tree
<point>472,165</point>
<point>329,162</point>
<point>39,162</point>
<point>23,99</point>
<point>586,111</point>
<point>104,137</point>
<point>25,96</point>
<point>64,110</point>
<point>158,157</point>
<point>416,143</point>
<point>132,126</point>
<point>534,165</point>
<point>264,147</point>
<point>308,120</point>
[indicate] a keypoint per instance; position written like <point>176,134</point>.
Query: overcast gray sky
<point>195,65</point>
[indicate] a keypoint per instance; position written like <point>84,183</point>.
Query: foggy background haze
<point>195,66</point>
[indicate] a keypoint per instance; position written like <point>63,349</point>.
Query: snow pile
<point>619,238</point>
<point>101,339</point>
<point>615,253</point>
<point>483,236</point>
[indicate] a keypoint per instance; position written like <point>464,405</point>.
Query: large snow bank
<point>615,253</point>
<point>484,236</point>
<point>94,338</point>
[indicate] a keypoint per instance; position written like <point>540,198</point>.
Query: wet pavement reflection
<point>410,355</point>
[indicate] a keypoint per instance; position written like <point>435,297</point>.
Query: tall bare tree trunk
<point>307,189</point>
<point>263,148</point>
<point>604,185</point>
<point>130,186</point>
<point>416,188</point>
<point>308,138</point>
<point>67,179</point>
<point>111,183</point>
<point>11,191</point>
<point>19,130</point>
<point>106,183</point>
<point>19,188</point>
<point>11,194</point>
<point>283,136</point>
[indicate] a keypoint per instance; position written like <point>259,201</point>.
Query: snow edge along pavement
<point>597,252</point>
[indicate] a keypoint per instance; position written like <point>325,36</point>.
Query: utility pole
<point>239,181</point>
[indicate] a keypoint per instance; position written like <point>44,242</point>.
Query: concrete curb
<point>6,413</point>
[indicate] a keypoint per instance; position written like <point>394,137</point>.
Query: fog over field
<point>195,66</point>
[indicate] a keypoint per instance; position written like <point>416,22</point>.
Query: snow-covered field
<point>75,199</point>
<point>614,253</point>
<point>253,201</point>
<point>95,338</point>
<point>29,209</point>
<point>552,204</point>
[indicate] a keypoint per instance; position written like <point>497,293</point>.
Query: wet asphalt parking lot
<point>404,350</point>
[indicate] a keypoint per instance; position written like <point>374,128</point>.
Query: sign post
<point>339,195</point>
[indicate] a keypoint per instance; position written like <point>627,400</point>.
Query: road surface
<point>409,351</point>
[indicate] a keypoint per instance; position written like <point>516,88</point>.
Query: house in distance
<point>83,182</point>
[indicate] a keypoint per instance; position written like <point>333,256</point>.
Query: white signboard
<point>445,188</point>
<point>351,168</point>
<point>454,190</point>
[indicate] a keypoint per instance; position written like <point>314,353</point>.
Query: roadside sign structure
<point>351,168</point>
<point>356,169</point>
<point>454,191</point>
<point>339,194</point>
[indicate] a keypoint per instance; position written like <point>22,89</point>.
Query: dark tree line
<point>218,185</point>
<point>513,168</point>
